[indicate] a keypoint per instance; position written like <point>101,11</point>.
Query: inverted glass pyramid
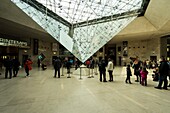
<point>89,36</point>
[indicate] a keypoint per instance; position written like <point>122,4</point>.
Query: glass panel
<point>73,10</point>
<point>88,39</point>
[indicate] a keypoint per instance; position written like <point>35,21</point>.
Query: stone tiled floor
<point>41,93</point>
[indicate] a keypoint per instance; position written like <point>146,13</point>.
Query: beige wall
<point>44,47</point>
<point>143,49</point>
<point>158,12</point>
<point>139,25</point>
<point>10,11</point>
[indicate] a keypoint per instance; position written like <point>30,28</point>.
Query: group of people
<point>14,65</point>
<point>140,70</point>
<point>67,63</point>
<point>11,65</point>
<point>102,69</point>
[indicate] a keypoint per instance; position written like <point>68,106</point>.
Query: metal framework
<point>45,10</point>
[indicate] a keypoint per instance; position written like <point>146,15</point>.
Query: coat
<point>144,74</point>
<point>164,68</point>
<point>57,64</point>
<point>28,64</point>
<point>110,66</point>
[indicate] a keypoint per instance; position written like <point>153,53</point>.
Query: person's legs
<point>142,81</point>
<point>14,72</point>
<point>104,76</point>
<point>165,83</point>
<point>55,72</point>
<point>139,78</point>
<point>6,72</point>
<point>10,73</point>
<point>110,76</point>
<point>129,80</point>
<point>59,73</point>
<point>145,81</point>
<point>100,76</point>
<point>160,82</point>
<point>126,79</point>
<point>27,71</point>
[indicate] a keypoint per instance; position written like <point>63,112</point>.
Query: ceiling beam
<point>45,10</point>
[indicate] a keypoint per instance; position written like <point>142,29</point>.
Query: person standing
<point>68,66</point>
<point>102,70</point>
<point>39,62</point>
<point>15,67</point>
<point>136,66</point>
<point>8,67</point>
<point>27,66</point>
<point>163,71</point>
<point>129,73</point>
<point>57,66</point>
<point>144,74</point>
<point>110,68</point>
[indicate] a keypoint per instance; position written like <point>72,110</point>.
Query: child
<point>129,73</point>
<point>144,74</point>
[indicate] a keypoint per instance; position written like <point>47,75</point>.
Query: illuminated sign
<point>9,42</point>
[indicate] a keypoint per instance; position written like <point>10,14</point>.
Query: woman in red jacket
<point>27,66</point>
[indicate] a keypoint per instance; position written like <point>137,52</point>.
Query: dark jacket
<point>102,65</point>
<point>129,73</point>
<point>8,63</point>
<point>68,64</point>
<point>16,64</point>
<point>57,64</point>
<point>163,68</point>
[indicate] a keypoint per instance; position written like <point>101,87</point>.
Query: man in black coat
<point>102,70</point>
<point>16,65</point>
<point>8,67</point>
<point>57,66</point>
<point>163,71</point>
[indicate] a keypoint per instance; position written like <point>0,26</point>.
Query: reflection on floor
<point>41,93</point>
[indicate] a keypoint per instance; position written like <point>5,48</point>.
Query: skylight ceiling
<point>91,23</point>
<point>76,11</point>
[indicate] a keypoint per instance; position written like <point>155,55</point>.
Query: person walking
<point>57,66</point>
<point>15,67</point>
<point>110,68</point>
<point>27,66</point>
<point>8,64</point>
<point>129,73</point>
<point>163,71</point>
<point>68,66</point>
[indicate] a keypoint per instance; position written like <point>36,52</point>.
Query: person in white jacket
<point>110,68</point>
